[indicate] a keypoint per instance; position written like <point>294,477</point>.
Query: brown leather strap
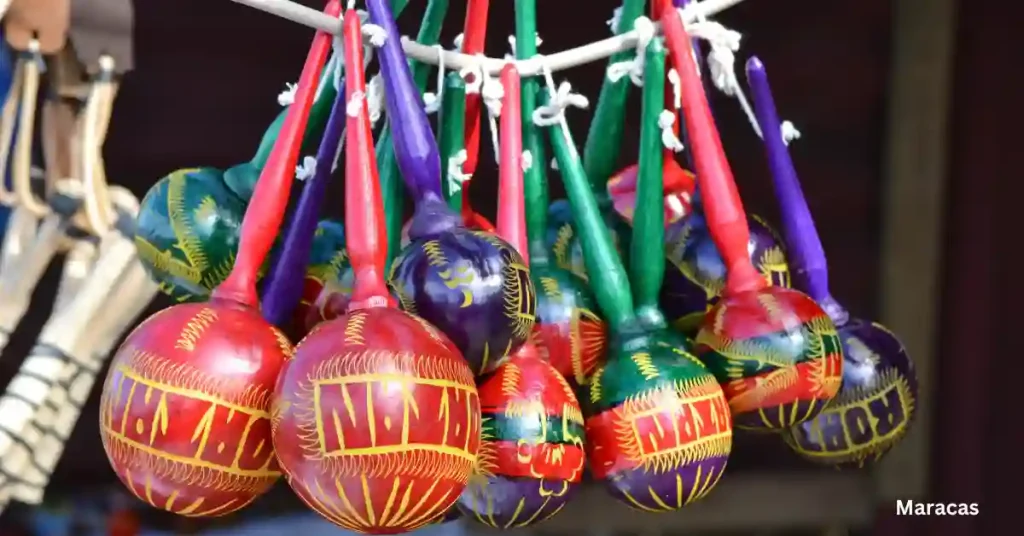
<point>46,20</point>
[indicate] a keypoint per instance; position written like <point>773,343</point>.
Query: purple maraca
<point>875,405</point>
<point>472,285</point>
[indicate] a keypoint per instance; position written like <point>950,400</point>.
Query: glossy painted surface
<point>185,410</point>
<point>568,333</point>
<point>187,232</point>
<point>658,425</point>
<point>776,353</point>
<point>564,241</point>
<point>531,454</point>
<point>695,273</point>
<point>335,294</point>
<point>678,189</point>
<point>874,408</point>
<point>328,260</point>
<point>377,420</point>
<point>474,287</point>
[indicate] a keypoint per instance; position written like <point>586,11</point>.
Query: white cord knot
<point>306,169</point>
<point>677,88</point>
<point>432,101</point>
<point>560,100</point>
<point>375,98</point>
<point>512,45</point>
<point>613,23</point>
<point>287,97</point>
<point>666,119</point>
<point>474,74</point>
<point>455,174</point>
<point>789,132</point>
<point>355,104</point>
<point>492,92</point>
<point>527,161</point>
<point>376,34</point>
<point>634,68</point>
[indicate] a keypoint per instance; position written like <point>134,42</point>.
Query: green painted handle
<point>604,140</point>
<point>535,180</point>
<point>452,136</point>
<point>391,184</point>
<point>647,250</point>
<point>608,277</point>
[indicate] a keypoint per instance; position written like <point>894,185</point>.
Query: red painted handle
<point>366,236</point>
<point>511,204</point>
<point>474,35</point>
<point>722,206</point>
<point>269,200</point>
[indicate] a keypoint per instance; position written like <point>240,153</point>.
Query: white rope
<point>456,177</point>
<point>527,161</point>
<point>677,88</point>
<point>559,100</point>
<point>375,98</point>
<point>634,68</point>
<point>565,59</point>
<point>287,97</point>
<point>492,92</point>
<point>666,119</point>
<point>457,42</point>
<point>355,104</point>
<point>306,169</point>
<point>432,101</point>
<point>613,22</point>
<point>512,45</point>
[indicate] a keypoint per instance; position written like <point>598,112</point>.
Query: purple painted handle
<point>805,253</point>
<point>284,286</point>
<point>415,148</point>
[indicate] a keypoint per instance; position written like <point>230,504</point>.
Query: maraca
<point>185,409</point>
<point>600,158</point>
<point>376,419</point>
<point>657,422</point>
<point>775,351</point>
<point>531,451</point>
<point>187,229</point>
<point>470,284</point>
<point>696,273</point>
<point>568,332</point>
<point>875,404</point>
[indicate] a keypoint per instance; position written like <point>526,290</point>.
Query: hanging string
<point>456,176</point>
<point>306,168</point>
<point>527,161</point>
<point>512,45</point>
<point>553,113</point>
<point>491,91</point>
<point>666,119</point>
<point>432,101</point>
<point>634,68</point>
<point>721,60</point>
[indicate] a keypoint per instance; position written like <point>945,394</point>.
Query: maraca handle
<point>511,209</point>
<point>647,247</point>
<point>283,289</point>
<point>266,209</point>
<point>535,181</point>
<point>415,148</point>
<point>722,206</point>
<point>806,256</point>
<point>366,236</point>
<point>474,32</point>
<point>453,135</point>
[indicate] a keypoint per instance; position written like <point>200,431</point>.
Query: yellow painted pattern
<point>194,329</point>
<point>211,459</point>
<point>703,482</point>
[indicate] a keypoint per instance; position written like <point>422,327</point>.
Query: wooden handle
<point>366,236</point>
<point>8,123</point>
<point>511,206</point>
<point>99,214</point>
<point>21,166</point>
<point>266,209</point>
<point>722,206</point>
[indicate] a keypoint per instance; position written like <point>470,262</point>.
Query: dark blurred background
<point>205,86</point>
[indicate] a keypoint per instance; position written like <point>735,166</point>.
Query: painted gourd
<point>658,428</point>
<point>185,409</point>
<point>327,261</point>
<point>773,349</point>
<point>877,400</point>
<point>531,451</point>
<point>376,420</point>
<point>471,285</point>
<point>679,188</point>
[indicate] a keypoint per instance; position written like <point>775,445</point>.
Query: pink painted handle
<point>723,209</point>
<point>263,217</point>
<point>511,204</point>
<point>366,235</point>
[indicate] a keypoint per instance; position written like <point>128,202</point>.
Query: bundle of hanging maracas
<point>478,371</point>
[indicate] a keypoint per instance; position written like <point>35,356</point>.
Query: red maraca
<point>474,35</point>
<point>376,420</point>
<point>774,350</point>
<point>185,410</point>
<point>531,453</point>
